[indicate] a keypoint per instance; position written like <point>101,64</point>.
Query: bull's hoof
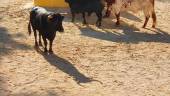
<point>85,23</point>
<point>40,44</point>
<point>117,23</point>
<point>36,44</point>
<point>51,52</point>
<point>45,51</point>
<point>143,26</point>
<point>36,47</point>
<point>106,16</point>
<point>153,26</point>
<point>98,26</point>
<point>72,21</point>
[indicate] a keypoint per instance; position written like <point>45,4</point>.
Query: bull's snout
<point>61,29</point>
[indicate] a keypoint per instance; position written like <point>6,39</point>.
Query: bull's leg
<point>35,36</point>
<point>108,11</point>
<point>84,18</point>
<point>50,48</point>
<point>146,21</point>
<point>107,14</point>
<point>117,18</point>
<point>73,16</point>
<point>45,43</point>
<point>99,20</point>
<point>147,13</point>
<point>40,43</point>
<point>154,19</point>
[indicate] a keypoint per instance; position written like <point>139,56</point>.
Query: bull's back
<point>37,16</point>
<point>87,5</point>
<point>135,5</point>
<point>39,10</point>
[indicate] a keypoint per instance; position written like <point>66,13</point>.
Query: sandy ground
<point>111,61</point>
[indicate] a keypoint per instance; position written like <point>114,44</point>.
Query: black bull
<point>86,6</point>
<point>46,23</point>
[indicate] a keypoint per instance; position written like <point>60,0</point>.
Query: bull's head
<point>56,20</point>
<point>67,1</point>
<point>71,1</point>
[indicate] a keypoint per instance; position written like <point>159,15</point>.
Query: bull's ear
<point>50,17</point>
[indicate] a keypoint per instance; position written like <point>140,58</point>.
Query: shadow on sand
<point>65,66</point>
<point>127,35</point>
<point>8,44</point>
<point>130,16</point>
<point>29,92</point>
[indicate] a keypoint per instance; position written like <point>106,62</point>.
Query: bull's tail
<point>29,28</point>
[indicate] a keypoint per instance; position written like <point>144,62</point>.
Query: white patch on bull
<point>40,9</point>
<point>133,5</point>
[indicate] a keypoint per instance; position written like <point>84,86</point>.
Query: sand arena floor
<point>87,61</point>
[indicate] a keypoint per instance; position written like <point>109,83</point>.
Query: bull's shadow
<point>65,66</point>
<point>128,34</point>
<point>163,1</point>
<point>130,16</point>
<point>32,92</point>
<point>8,44</point>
